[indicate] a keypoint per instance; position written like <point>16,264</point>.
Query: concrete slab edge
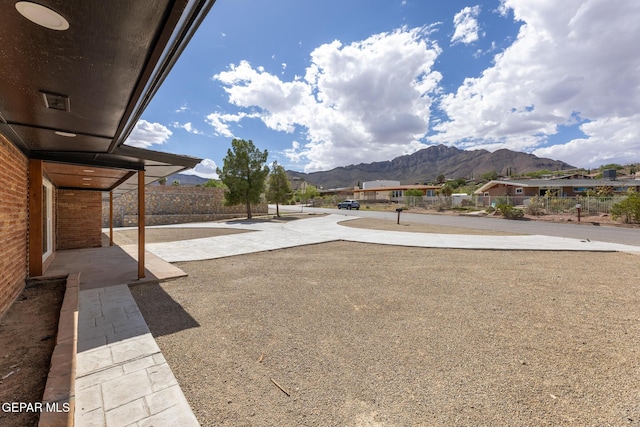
<point>59,394</point>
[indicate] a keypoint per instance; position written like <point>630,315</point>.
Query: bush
<point>536,206</point>
<point>509,212</point>
<point>627,209</point>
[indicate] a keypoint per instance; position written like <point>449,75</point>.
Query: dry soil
<point>350,334</point>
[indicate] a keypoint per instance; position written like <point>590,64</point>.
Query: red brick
<point>13,222</point>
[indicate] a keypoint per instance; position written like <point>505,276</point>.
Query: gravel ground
<point>379,224</point>
<point>372,335</point>
<point>161,235</point>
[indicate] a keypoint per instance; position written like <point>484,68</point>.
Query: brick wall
<point>14,205</point>
<point>78,219</point>
<point>174,205</point>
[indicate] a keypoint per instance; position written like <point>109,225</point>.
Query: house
<point>521,190</point>
<point>390,190</point>
<point>75,77</point>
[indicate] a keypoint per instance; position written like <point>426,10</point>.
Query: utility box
<point>609,174</point>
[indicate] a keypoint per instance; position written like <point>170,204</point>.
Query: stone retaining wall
<point>175,205</point>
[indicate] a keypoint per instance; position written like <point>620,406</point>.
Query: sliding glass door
<point>47,219</point>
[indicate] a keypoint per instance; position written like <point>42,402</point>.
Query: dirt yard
<point>351,334</point>
<point>411,227</point>
<point>27,337</point>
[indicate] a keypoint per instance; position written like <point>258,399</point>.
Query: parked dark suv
<point>349,204</point>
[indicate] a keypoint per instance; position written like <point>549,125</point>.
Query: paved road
<point>627,236</point>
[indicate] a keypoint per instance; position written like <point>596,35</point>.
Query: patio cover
<point>75,77</point>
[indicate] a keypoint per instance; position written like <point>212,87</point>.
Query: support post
<point>141,242</point>
<point>35,218</point>
<point>110,218</point>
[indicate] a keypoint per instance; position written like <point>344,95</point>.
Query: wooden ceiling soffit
<point>90,159</point>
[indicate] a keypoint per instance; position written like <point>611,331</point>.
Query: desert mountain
<point>427,164</point>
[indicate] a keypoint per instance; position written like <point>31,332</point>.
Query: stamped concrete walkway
<point>122,378</point>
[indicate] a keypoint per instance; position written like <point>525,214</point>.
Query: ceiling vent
<point>56,101</point>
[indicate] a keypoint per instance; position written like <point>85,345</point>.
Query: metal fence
<point>550,205</point>
<point>543,204</point>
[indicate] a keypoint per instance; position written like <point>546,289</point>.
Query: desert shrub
<point>557,204</point>
<point>509,212</point>
<point>536,206</point>
<point>504,201</point>
<point>628,209</point>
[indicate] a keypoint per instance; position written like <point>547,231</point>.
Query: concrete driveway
<point>269,236</point>
<point>627,236</point>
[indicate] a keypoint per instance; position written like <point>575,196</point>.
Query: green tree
<point>413,193</point>
<point>489,176</point>
<point>175,183</point>
<point>244,173</point>
<point>307,193</point>
<point>163,180</point>
<point>441,179</point>
<point>615,166</point>
<point>279,189</point>
<point>214,183</point>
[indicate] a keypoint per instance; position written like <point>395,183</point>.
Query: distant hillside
<point>427,164</point>
<point>184,179</point>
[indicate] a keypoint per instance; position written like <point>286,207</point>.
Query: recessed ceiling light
<point>87,179</point>
<point>88,170</point>
<point>41,15</point>
<point>67,134</point>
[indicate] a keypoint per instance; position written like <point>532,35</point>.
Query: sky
<point>328,83</point>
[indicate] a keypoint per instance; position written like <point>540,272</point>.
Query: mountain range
<point>427,164</point>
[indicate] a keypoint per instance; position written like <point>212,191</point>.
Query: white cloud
<point>574,58</point>
<point>366,101</point>
<point>146,134</point>
<point>220,121</point>
<point>188,127</point>
<point>466,25</point>
<point>182,108</point>
<point>293,153</point>
<point>205,169</point>
<point>610,140</point>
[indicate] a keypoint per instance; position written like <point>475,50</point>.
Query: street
<point>624,235</point>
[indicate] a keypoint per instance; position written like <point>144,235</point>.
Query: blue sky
<point>322,84</point>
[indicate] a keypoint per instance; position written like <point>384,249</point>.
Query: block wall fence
<point>175,205</point>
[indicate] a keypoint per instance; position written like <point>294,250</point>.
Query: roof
<point>558,183</point>
<point>72,97</point>
<point>401,187</point>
